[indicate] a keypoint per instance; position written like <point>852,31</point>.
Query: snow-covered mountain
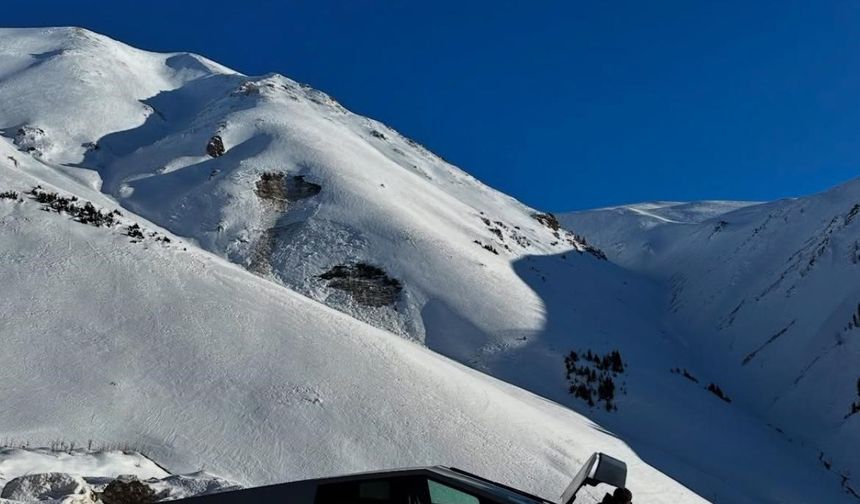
<point>144,340</point>
<point>302,186</point>
<point>765,297</point>
<point>201,361</point>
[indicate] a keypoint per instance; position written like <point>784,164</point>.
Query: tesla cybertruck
<point>426,485</point>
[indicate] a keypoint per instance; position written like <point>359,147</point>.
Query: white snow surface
<point>656,213</point>
<point>16,462</point>
<point>766,298</point>
<point>203,365</point>
<point>72,475</point>
<point>57,488</point>
<point>177,348</point>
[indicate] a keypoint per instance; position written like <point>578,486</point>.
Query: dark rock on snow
<point>367,284</point>
<point>215,147</point>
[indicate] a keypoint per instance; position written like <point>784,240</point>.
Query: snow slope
<point>621,229</point>
<point>15,462</point>
<point>767,299</point>
<point>303,187</point>
<point>93,470</point>
<point>201,364</point>
<point>382,197</point>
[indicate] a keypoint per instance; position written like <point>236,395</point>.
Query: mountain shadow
<point>673,424</point>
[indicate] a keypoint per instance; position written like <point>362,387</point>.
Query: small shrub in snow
<point>582,244</point>
<point>826,463</point>
<point>717,391</point>
<point>134,232</point>
<point>686,374</point>
<point>488,248</point>
<point>592,377</point>
<point>12,195</point>
<point>855,210</point>
<point>606,392</point>
<point>854,324</point>
<point>491,249</point>
<point>85,214</point>
<point>521,240</point>
<point>855,406</point>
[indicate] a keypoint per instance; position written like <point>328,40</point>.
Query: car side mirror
<point>600,468</point>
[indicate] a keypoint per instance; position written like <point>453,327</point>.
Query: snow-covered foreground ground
<point>15,462</point>
<point>73,475</point>
<point>374,262</point>
<point>203,365</point>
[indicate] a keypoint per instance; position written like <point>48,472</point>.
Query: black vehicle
<point>424,485</point>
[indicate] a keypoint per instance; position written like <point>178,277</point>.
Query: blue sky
<point>564,105</point>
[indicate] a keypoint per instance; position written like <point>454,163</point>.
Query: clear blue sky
<point>565,105</point>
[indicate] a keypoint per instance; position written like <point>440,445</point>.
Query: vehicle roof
<point>303,491</point>
<point>498,490</point>
<point>492,489</point>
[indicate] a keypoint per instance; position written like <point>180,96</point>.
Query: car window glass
<point>443,494</point>
<point>374,490</point>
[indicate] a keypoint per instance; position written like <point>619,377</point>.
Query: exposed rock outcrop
<point>577,241</point>
<point>367,284</point>
<point>215,147</point>
<point>31,139</point>
<point>133,491</point>
<point>276,190</point>
<point>282,189</point>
